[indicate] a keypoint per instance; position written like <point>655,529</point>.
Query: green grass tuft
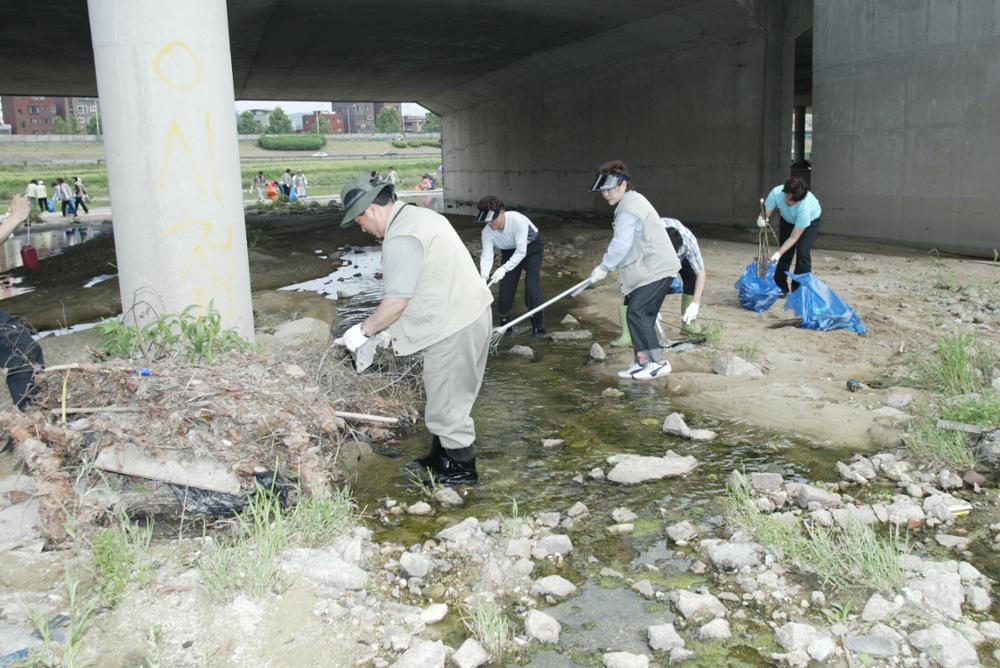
<point>486,621</point>
<point>121,554</point>
<point>961,365</point>
<point>982,410</point>
<point>938,447</point>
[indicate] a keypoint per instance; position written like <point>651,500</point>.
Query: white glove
<point>354,338</point>
<point>497,275</point>
<point>598,274</point>
<point>690,313</point>
<point>776,256</point>
<point>761,221</point>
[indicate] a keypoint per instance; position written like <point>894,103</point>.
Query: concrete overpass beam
<point>166,86</point>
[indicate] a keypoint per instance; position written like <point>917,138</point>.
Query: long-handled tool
<point>763,247</point>
<point>499,332</point>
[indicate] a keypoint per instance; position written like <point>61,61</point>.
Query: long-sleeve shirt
<point>517,233</point>
<point>627,229</point>
<point>31,192</point>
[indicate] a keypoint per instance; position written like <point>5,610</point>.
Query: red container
<point>29,257</point>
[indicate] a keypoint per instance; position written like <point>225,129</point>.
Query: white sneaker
<point>627,373</point>
<point>653,370</point>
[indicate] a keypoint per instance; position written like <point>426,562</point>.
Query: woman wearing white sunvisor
<point>646,262</point>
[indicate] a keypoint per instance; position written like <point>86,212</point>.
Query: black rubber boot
<point>432,458</point>
<point>453,472</point>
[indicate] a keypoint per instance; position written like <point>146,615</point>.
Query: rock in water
<point>633,469</point>
<point>522,351</point>
<point>569,321</point>
<point>572,335</point>
<point>597,353</point>
<point>542,627</point>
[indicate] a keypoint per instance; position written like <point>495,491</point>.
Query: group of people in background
<point>291,186</point>
<point>70,197</point>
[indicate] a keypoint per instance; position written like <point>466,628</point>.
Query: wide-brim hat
<point>357,195</point>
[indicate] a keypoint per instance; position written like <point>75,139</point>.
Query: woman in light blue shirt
<point>800,217</point>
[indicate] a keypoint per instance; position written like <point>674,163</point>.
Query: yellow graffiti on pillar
<point>174,134</point>
<point>211,156</point>
<point>204,259</point>
<point>195,78</point>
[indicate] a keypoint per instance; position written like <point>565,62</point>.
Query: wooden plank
<point>203,474</point>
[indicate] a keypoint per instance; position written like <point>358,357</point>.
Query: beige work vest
<point>449,294</point>
<point>652,256</point>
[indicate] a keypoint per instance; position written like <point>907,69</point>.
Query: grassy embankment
<point>325,176</point>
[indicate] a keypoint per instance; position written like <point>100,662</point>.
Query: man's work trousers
<point>644,305</point>
<point>802,251</point>
<point>453,374</point>
<point>532,266</point>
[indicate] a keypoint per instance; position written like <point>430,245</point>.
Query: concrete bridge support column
<point>165,80</point>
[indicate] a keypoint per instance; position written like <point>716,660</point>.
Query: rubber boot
<point>692,328</point>
<point>450,471</point>
<point>433,457</point>
<point>625,339</point>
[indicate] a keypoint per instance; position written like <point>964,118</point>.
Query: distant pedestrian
<point>80,195</point>
<point>43,200</point>
<point>257,186</point>
<point>286,182</point>
<point>62,193</point>
<point>392,177</point>
<point>31,193</point>
<point>299,182</point>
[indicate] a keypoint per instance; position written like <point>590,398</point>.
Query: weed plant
<point>962,365</point>
<point>66,654</point>
<point>200,337</point>
<point>749,350</point>
<point>978,409</point>
<point>257,237</point>
<point>851,556</point>
<point>486,621</point>
<point>510,527</point>
<point>246,559</point>
<point>121,554</point>
<point>938,447</point>
<point>713,334</point>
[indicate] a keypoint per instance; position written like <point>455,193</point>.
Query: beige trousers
<point>453,374</point>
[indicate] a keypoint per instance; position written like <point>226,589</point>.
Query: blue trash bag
<point>71,208</point>
<point>756,293</point>
<point>820,307</point>
<point>50,205</point>
<point>293,196</point>
<point>676,286</point>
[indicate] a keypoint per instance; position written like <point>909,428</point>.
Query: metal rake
<point>498,332</point>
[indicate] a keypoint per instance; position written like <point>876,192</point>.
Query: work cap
<point>357,195</point>
<point>486,216</point>
<point>607,182</point>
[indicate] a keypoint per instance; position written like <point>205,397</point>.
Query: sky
<point>300,106</point>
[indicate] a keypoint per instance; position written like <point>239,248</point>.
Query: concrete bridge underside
<point>697,95</point>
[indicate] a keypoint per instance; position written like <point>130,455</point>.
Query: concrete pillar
<point>166,87</point>
<point>800,134</point>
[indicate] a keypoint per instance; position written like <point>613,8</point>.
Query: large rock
<point>766,482</point>
<point>553,585</point>
<point>717,629</point>
<point>734,365</point>
<point>434,613</point>
<point>808,494</point>
<point>664,637</point>
<point>882,642</point>
<point>14,639</point>
<point>904,510</point>
<point>521,351</point>
<point>633,469</point>
<point>730,556</point>
<point>425,654</point>
<point>675,424</point>
<point>795,636</point>
<point>415,565</point>
<point>625,660</point>
<point>470,655</point>
<point>942,592</point>
<point>878,609</point>
<point>324,567</point>
<point>296,335</point>
<point>697,607</point>
<point>542,627</point>
<point>556,544</point>
<point>461,532</point>
<point>449,497</point>
<point>948,648</point>
<point>682,531</point>
<point>597,353</point>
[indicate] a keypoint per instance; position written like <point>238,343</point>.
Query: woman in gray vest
<point>646,263</point>
<point>435,304</point>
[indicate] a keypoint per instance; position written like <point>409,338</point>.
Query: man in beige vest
<point>434,303</point>
<point>646,262</point>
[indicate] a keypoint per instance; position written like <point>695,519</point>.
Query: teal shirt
<point>800,214</point>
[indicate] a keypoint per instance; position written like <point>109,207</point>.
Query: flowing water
<point>558,396</point>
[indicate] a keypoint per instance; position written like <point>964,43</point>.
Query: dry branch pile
<point>198,426</point>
